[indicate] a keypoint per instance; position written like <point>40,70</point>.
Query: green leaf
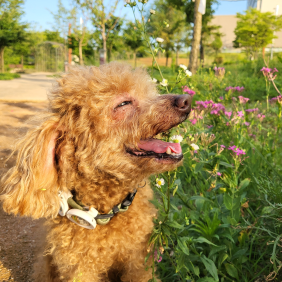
<point>175,224</point>
<point>182,245</point>
<point>226,164</point>
<point>206,279</point>
<point>177,182</point>
<point>231,270</point>
<point>267,210</point>
<point>203,240</point>
<point>222,257</point>
<point>175,189</point>
<point>198,167</point>
<point>199,198</point>
<point>244,183</point>
<point>228,201</point>
<point>210,266</point>
<point>216,249</point>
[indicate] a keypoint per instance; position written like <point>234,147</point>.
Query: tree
<point>101,16</point>
<point>197,30</point>
<point>167,23</point>
<point>11,30</point>
<point>255,30</point>
<point>216,44</point>
<point>133,39</point>
<point>188,7</point>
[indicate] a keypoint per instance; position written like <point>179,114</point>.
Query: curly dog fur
<point>81,146</point>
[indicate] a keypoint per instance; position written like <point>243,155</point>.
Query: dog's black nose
<point>183,102</point>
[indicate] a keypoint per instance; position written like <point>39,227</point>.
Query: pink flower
<point>251,110</point>
<point>275,99</point>
<point>269,73</point>
<point>189,91</point>
<point>210,126</point>
<point>260,117</point>
<point>218,173</point>
<point>265,70</point>
<point>247,123</point>
<point>243,100</point>
<point>229,114</point>
<point>237,151</point>
<point>204,104</point>
<point>240,114</point>
<point>194,121</point>
<point>221,98</point>
<point>229,88</point>
<point>237,88</point>
<point>156,257</point>
<point>222,146</point>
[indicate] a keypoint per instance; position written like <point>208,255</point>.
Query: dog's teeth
<point>168,151</point>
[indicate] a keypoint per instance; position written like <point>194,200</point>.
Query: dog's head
<point>101,121</point>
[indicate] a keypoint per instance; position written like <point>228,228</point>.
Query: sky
<point>38,13</point>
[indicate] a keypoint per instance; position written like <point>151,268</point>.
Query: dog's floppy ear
<point>30,187</point>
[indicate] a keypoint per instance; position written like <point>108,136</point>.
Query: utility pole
<point>193,62</point>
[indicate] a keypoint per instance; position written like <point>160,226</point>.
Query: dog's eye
<point>124,103</point>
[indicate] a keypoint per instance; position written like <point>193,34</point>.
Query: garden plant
<point>220,214</point>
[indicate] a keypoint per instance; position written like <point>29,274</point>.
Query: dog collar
<point>81,215</point>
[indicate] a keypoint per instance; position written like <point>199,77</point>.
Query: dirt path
<point>19,237</point>
<point>29,87</point>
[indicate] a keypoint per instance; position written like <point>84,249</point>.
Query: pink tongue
<point>159,146</point>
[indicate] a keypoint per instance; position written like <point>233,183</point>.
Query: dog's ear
<point>30,187</point>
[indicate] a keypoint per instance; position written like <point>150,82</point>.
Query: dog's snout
<point>183,102</point>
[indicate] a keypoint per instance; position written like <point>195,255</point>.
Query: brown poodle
<point>97,142</point>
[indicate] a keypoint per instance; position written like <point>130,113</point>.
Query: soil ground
<point>20,237</point>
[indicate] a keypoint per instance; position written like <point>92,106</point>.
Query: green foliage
<point>8,76</point>
<point>11,30</point>
<point>169,24</point>
<point>255,30</point>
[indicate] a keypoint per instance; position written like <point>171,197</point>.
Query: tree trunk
<point>202,53</point>
<point>166,62</point>
<point>196,38</point>
<point>22,62</point>
<point>80,52</point>
<point>2,59</point>
<point>104,42</point>
<point>134,57</point>
<point>177,56</point>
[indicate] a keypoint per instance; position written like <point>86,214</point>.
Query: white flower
<point>152,11</point>
<point>154,80</point>
<point>194,147</point>
<point>164,82</point>
<point>160,182</point>
<point>176,139</point>
<point>160,40</point>
<point>167,25</point>
<point>183,67</point>
<point>188,73</point>
<point>127,1</point>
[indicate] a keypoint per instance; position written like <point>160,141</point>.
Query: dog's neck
<point>105,192</point>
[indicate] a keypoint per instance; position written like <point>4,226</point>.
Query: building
<point>228,23</point>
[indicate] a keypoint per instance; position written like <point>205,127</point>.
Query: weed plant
<point>220,214</point>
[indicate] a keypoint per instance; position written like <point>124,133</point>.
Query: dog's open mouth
<point>154,148</point>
